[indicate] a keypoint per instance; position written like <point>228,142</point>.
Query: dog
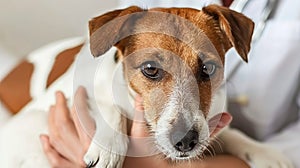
<point>174,58</point>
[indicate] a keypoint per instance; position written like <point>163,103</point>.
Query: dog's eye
<point>151,70</point>
<point>208,70</point>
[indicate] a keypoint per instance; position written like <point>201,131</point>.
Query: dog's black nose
<point>187,143</point>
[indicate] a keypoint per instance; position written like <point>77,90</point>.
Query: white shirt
<point>270,81</point>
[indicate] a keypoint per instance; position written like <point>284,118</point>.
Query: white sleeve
<point>288,140</point>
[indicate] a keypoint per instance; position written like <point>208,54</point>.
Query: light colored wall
<point>28,24</point>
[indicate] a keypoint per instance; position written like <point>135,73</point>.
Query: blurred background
<point>29,24</point>
<point>26,25</point>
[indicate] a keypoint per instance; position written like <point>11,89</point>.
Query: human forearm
<point>224,161</point>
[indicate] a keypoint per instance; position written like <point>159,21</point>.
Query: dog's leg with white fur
<point>256,154</point>
<point>109,146</point>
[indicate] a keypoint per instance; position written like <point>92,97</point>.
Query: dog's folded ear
<point>107,29</point>
<point>237,27</point>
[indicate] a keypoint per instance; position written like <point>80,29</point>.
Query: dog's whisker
<point>206,148</point>
<point>217,142</point>
<point>216,138</point>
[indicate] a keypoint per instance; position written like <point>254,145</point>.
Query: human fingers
<point>51,118</point>
<point>84,124</point>
<point>138,126</point>
<point>58,113</point>
<point>61,103</point>
<point>54,158</point>
<point>138,103</point>
<point>141,144</point>
<point>62,132</point>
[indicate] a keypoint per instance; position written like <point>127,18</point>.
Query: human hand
<point>139,153</point>
<point>68,141</point>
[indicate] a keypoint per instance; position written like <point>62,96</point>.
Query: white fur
<point>258,155</point>
<point>183,104</point>
<point>110,140</point>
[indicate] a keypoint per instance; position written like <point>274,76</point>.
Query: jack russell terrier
<point>174,59</point>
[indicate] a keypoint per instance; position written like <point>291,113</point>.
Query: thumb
<point>138,128</point>
<point>139,133</point>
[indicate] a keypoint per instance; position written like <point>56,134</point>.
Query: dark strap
<point>227,3</point>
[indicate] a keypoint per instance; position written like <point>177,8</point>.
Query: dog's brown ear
<point>105,29</point>
<point>236,26</point>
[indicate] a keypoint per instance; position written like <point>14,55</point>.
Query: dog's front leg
<point>109,144</point>
<point>257,154</point>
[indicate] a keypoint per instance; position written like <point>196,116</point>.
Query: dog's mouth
<point>195,153</point>
<point>184,156</point>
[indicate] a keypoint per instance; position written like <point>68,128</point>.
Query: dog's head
<point>174,58</point>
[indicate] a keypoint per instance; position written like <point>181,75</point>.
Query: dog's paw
<point>266,157</point>
<point>105,157</point>
<point>92,157</point>
<point>102,158</point>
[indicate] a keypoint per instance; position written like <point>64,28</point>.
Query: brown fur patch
<point>62,62</point>
<point>15,87</point>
